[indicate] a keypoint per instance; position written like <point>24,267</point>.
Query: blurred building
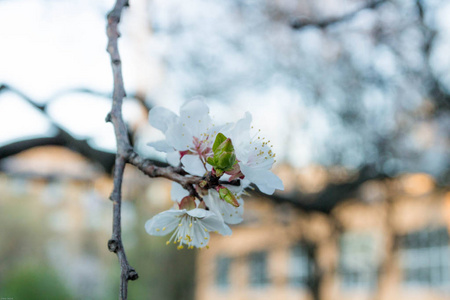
<point>389,241</point>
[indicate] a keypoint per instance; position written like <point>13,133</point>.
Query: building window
<point>359,261</point>
<point>425,258</point>
<point>258,269</point>
<point>300,266</point>
<point>223,265</point>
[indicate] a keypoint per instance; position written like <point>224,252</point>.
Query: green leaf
<point>220,138</point>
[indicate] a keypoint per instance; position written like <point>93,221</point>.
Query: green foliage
<point>33,281</point>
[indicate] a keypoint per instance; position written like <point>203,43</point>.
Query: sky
<point>51,47</point>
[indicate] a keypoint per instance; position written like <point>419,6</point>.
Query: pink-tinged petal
<point>173,158</point>
<point>177,192</point>
<point>164,222</point>
<point>161,118</point>
<point>193,165</point>
<point>179,136</point>
<point>161,146</point>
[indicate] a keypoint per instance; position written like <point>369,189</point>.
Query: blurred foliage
<point>34,281</point>
<point>39,261</point>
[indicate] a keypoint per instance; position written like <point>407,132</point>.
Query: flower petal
<point>224,210</point>
<point>213,223</point>
<point>199,213</point>
<point>195,115</point>
<point>193,165</point>
<point>177,192</point>
<point>161,146</point>
<point>173,158</point>
<point>161,118</point>
<point>179,136</point>
<point>265,180</point>
<point>164,222</point>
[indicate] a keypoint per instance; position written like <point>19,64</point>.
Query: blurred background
<point>353,94</point>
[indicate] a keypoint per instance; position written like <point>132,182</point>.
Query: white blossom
<point>190,227</point>
<point>255,156</point>
<point>189,136</point>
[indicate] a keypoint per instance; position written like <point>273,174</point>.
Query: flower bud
<point>226,195</point>
<point>224,157</point>
<point>187,203</point>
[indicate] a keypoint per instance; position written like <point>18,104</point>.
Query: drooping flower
<point>190,227</point>
<point>189,136</point>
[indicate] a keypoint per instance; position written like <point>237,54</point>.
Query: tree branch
<point>125,152</point>
<point>300,23</point>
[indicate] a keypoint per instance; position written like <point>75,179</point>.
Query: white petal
<point>173,158</point>
<point>194,108</point>
<point>274,181</point>
<point>161,118</point>
<point>199,213</point>
<point>195,115</point>
<point>193,165</point>
<point>164,222</point>
<point>227,212</point>
<point>243,125</point>
<point>161,146</point>
<point>200,237</point>
<point>213,223</point>
<point>265,180</point>
<point>179,136</point>
<point>177,192</point>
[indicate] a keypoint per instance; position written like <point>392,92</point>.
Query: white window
<point>425,258</point>
<point>258,269</point>
<point>300,266</point>
<point>359,261</point>
<point>223,265</point>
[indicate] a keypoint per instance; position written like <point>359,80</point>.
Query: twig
<point>300,23</point>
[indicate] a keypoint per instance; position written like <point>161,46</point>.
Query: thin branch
<point>301,23</point>
<point>125,152</point>
<point>123,145</point>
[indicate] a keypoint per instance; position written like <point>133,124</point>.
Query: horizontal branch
<point>301,23</point>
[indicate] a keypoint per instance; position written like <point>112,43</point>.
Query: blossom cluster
<point>229,157</point>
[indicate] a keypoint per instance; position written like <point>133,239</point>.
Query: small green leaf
<point>220,138</point>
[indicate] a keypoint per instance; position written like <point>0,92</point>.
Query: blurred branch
<point>440,96</point>
<point>301,23</point>
<point>61,138</point>
<point>325,200</point>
